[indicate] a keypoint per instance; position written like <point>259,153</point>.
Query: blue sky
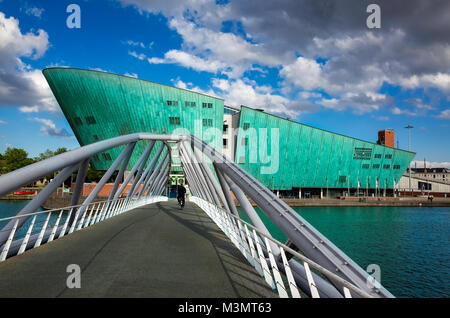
<point>318,64</point>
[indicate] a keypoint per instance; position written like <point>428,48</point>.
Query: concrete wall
<point>435,186</point>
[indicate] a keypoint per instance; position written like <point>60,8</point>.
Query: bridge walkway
<point>157,250</point>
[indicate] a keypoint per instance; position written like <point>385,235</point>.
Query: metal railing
<point>46,226</point>
<point>31,227</point>
<point>256,248</point>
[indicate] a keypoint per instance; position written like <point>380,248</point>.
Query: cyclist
<point>181,193</point>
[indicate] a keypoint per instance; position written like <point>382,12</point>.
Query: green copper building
<point>313,159</point>
<point>282,154</point>
<point>101,105</point>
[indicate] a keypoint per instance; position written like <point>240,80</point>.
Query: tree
<point>15,158</point>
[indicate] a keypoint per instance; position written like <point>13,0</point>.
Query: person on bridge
<point>181,193</point>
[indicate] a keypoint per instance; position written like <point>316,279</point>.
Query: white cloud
<point>354,62</point>
<point>49,128</point>
<point>445,114</point>
<point>304,73</point>
<point>189,61</point>
<point>134,75</point>
<point>37,12</point>
<point>141,56</point>
<point>2,122</point>
<point>20,84</point>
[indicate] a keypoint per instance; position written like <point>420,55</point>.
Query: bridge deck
<point>154,251</point>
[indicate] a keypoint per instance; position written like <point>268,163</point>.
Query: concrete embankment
<point>56,202</point>
<point>400,202</point>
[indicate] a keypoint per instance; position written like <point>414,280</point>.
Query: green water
<point>410,244</point>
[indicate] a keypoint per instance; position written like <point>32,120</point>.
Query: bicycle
<point>181,201</point>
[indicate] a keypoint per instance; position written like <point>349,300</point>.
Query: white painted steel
<point>8,242</point>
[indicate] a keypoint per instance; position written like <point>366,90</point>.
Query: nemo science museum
<point>290,158</point>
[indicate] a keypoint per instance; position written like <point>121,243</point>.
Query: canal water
<point>410,244</point>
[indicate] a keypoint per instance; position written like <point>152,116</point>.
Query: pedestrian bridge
<point>140,244</point>
<point>156,250</point>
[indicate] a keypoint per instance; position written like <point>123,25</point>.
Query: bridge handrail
<point>286,248</point>
<point>59,227</point>
<point>51,210</point>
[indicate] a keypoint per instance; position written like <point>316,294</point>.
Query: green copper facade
<point>312,158</point>
<point>282,154</point>
<point>101,105</point>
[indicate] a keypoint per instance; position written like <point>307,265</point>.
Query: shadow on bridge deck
<point>155,251</point>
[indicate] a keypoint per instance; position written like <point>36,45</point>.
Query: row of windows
<point>174,120</point>
<point>105,156</point>
<point>378,156</point>
<point>377,166</point>
<point>188,104</point>
<point>207,122</point>
<point>172,103</point>
<point>90,120</point>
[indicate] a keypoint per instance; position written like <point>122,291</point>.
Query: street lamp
<point>409,127</point>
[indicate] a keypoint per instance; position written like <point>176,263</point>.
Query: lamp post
<point>409,127</point>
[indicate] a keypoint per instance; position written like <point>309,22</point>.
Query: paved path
<point>155,251</point>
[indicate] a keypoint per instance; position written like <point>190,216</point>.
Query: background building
<point>230,125</point>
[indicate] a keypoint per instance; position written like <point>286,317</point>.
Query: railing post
<point>41,234</point>
<point>24,244</point>
<point>52,235</point>
<point>8,241</point>
<point>36,203</point>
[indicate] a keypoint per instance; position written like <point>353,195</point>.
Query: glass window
<point>77,121</point>
<point>174,120</point>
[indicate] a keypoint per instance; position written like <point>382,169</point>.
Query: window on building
<point>246,126</point>
<point>95,157</point>
<point>204,105</point>
<point>365,166</point>
<point>77,121</point>
<point>225,143</point>
<point>225,128</point>
<point>209,105</point>
<point>342,179</point>
<point>106,156</point>
<point>207,122</point>
<point>376,166</point>
<point>377,156</point>
<point>396,167</point>
<point>172,103</point>
<point>90,120</point>
<point>189,104</point>
<point>174,120</point>
<point>386,166</point>
<point>388,156</point>
<point>95,137</point>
